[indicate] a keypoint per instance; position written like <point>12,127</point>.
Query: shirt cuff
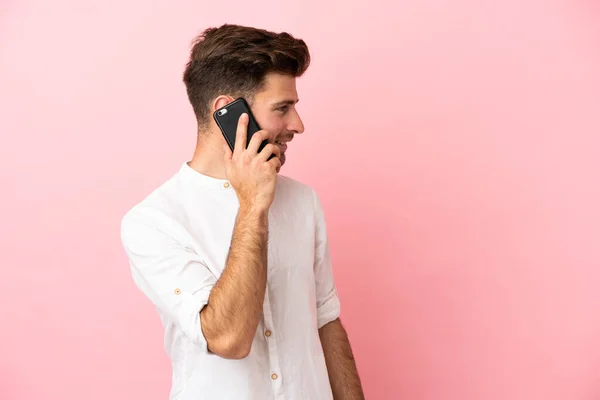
<point>190,312</point>
<point>329,311</point>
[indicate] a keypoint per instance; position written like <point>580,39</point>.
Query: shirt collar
<point>204,180</point>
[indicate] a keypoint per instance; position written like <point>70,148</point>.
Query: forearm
<point>343,374</point>
<point>230,319</point>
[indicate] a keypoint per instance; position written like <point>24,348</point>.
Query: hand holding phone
<point>252,165</point>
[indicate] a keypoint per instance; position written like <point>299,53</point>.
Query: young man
<point>234,256</point>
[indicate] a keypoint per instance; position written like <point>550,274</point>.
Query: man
<point>234,256</point>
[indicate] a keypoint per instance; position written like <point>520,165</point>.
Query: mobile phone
<point>227,118</point>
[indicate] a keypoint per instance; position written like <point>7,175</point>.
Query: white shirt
<point>177,240</point>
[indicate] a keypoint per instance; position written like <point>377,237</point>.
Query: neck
<point>208,156</point>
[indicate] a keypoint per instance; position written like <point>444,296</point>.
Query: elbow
<point>224,341</point>
<point>230,347</point>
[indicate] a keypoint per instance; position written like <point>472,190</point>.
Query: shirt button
<point>177,291</point>
<point>274,376</point>
<point>226,185</point>
<point>268,333</point>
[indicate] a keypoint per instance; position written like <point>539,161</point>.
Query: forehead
<point>278,87</point>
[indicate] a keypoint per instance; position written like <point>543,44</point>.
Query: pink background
<point>455,145</point>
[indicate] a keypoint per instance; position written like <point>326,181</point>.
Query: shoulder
<point>157,213</point>
<point>299,195</point>
<point>294,186</point>
<point>294,190</point>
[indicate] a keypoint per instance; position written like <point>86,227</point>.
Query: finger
<point>240,134</point>
<point>275,163</point>
<point>268,150</point>
<point>256,141</point>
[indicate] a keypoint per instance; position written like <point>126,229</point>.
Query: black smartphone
<point>227,119</point>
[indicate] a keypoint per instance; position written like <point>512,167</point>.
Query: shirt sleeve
<point>328,303</point>
<point>174,278</point>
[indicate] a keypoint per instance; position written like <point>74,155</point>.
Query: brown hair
<point>234,60</point>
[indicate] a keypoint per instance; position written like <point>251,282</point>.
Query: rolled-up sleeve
<point>328,303</point>
<point>174,278</point>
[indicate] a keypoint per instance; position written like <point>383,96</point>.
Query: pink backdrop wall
<point>458,158</point>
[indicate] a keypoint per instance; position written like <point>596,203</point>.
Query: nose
<point>295,124</point>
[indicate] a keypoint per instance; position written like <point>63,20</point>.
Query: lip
<point>282,147</point>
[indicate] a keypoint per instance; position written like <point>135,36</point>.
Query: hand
<point>251,174</point>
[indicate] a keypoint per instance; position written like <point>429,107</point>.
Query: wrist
<point>253,211</point>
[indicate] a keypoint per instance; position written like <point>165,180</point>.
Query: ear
<point>221,101</point>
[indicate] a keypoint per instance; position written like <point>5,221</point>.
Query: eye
<point>282,109</point>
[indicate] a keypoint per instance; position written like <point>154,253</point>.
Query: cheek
<point>274,125</point>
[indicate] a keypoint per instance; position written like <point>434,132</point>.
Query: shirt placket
<point>269,334</point>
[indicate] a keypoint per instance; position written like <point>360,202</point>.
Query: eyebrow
<point>286,102</point>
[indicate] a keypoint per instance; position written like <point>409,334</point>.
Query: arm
<point>341,367</point>
<point>230,319</point>
<point>343,375</point>
<point>218,315</point>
